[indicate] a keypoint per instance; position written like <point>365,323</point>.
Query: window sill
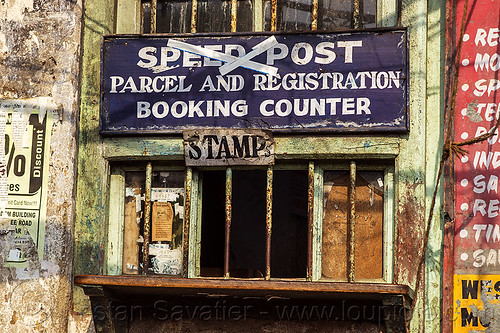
<point>158,285</point>
<point>391,301</point>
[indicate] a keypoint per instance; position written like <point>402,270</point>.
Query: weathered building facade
<point>252,165</point>
<point>40,71</point>
<point>305,199</point>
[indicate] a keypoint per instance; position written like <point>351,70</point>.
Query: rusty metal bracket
<point>351,232</point>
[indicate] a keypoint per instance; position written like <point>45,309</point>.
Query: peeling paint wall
<point>473,35</point>
<point>39,66</point>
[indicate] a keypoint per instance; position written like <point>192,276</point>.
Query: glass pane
<point>173,16</point>
<point>267,15</point>
<point>292,15</point>
<point>369,225</point>
<point>337,14</point>
<point>244,16</point>
<point>369,13</point>
<point>214,16</point>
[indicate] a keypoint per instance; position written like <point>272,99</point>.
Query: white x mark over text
<point>232,62</point>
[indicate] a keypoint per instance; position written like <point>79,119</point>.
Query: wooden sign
<point>163,216</point>
<point>228,147</point>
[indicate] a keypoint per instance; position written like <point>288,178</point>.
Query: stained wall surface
<point>476,265</point>
<point>39,66</point>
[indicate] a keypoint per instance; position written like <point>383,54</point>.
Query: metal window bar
<point>154,4</point>
<point>187,214</point>
<point>234,12</point>
<point>351,223</point>
<point>274,14</point>
<point>269,219</point>
<point>147,219</point>
<point>310,219</point>
<point>194,15</point>
<point>356,14</point>
<point>229,194</point>
<point>314,15</point>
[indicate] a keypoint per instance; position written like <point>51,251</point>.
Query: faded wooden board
<point>116,217</point>
<point>336,209</point>
<point>130,236</point>
<point>220,147</point>
<point>303,147</point>
<point>369,231</point>
<point>369,227</point>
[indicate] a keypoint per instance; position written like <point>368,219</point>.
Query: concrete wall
<point>39,66</point>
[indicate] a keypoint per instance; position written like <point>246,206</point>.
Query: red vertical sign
<point>477,202</point>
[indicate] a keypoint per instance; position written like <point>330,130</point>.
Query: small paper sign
<point>163,215</point>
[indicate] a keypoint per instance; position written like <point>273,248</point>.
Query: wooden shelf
<point>104,290</point>
<point>156,285</point>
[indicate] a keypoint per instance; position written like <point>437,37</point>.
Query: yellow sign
<point>476,302</point>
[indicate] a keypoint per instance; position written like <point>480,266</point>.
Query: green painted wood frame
<point>415,155</point>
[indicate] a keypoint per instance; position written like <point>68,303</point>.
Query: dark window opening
<point>289,237</point>
<point>212,223</point>
<point>248,225</point>
<point>247,237</point>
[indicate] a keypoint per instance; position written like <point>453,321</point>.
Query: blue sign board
<point>331,82</point>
